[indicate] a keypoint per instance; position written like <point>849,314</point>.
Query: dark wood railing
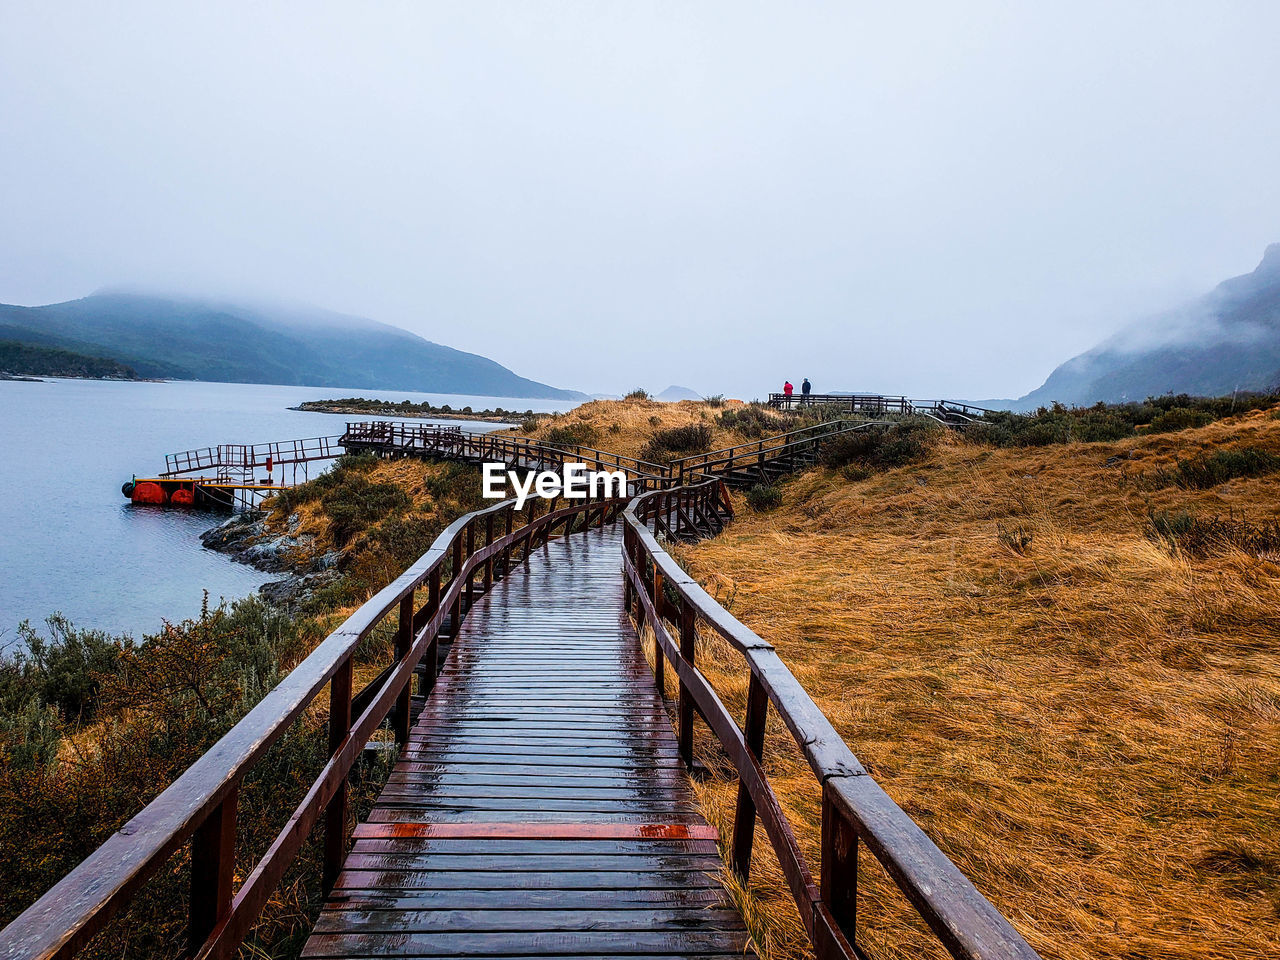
<point>871,404</point>
<point>499,448</point>
<point>200,806</point>
<point>756,453</point>
<point>855,810</point>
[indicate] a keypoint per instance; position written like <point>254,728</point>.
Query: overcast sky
<point>931,198</point>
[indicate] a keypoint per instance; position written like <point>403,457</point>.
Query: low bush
<point>61,670</point>
<point>1106,422</point>
<point>750,421</point>
<point>882,448</point>
<point>1200,537</point>
<point>639,393</point>
<point>580,433</point>
<point>346,467</point>
<point>762,497</point>
<point>356,504</point>
<point>674,442</point>
<point>1218,467</point>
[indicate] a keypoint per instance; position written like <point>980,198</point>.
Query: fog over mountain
<point>187,338</point>
<point>936,199</point>
<point>1225,341</point>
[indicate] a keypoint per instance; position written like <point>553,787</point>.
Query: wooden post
<point>488,542</point>
<point>431,657</point>
<point>628,550</point>
<point>213,861</point>
<point>688,620</point>
<point>744,816</point>
<point>470,550</point>
<point>659,658</point>
<point>839,866</point>
<point>335,818</point>
<point>455,614</point>
<point>508,528</point>
<point>404,639</point>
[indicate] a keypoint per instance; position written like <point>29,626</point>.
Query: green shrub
<point>1200,537</point>
<point>62,670</point>
<point>1179,418</point>
<point>882,448</point>
<point>674,442</point>
<point>1107,422</point>
<point>750,421</point>
<point>580,434</point>
<point>639,393</point>
<point>1218,467</point>
<point>355,505</point>
<point>762,498</point>
<point>715,400</point>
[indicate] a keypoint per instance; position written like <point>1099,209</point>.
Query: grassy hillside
<point>1056,661</point>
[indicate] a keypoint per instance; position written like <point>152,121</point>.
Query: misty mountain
<point>674,393</point>
<point>195,339</point>
<point>1227,340</point>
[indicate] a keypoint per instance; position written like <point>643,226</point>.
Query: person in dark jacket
<point>804,389</point>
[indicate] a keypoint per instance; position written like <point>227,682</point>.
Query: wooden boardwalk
<point>540,808</point>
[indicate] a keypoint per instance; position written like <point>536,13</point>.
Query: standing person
<point>787,388</point>
<point>804,390</point>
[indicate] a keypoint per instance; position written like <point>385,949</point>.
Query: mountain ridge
<point>1225,341</point>
<point>193,338</point>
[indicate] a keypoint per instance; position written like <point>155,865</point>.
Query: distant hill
<point>196,339</point>
<point>673,393</point>
<point>1226,341</point>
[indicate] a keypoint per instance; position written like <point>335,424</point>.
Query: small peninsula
<point>407,408</point>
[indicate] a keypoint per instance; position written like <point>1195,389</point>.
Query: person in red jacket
<point>786,389</point>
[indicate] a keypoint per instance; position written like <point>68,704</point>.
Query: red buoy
<point>148,492</point>
<point>183,497</point>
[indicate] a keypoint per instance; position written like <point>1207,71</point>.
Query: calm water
<point>71,543</point>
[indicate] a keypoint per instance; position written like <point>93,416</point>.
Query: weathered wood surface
<point>540,807</point>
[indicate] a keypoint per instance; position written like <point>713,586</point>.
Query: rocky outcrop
<point>248,538</point>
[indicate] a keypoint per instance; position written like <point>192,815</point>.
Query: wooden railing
<point>871,404</point>
<point>855,810</point>
<point>500,448</point>
<point>200,806</point>
<point>250,456</point>
<point>756,453</point>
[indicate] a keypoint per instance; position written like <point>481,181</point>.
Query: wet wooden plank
<point>540,808</point>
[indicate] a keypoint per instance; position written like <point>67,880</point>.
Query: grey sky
<point>931,198</point>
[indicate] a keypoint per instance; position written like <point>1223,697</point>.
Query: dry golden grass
<point>1089,729</point>
<point>625,426</point>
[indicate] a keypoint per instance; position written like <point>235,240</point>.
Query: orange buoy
<point>183,497</point>
<point>148,492</point>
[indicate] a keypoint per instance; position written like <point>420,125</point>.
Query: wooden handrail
<point>854,807</point>
<point>200,805</point>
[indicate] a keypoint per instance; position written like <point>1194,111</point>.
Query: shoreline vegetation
<point>963,606</point>
<point>409,409</point>
<point>29,362</point>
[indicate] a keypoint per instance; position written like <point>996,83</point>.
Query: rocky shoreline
<point>246,538</point>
